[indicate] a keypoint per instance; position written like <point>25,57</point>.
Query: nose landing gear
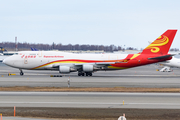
<point>21,72</point>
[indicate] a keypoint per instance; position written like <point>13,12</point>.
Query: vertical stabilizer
<point>162,44</point>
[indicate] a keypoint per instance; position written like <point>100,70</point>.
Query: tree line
<point>10,46</point>
<point>76,47</point>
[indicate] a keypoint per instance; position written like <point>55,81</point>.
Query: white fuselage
<point>45,60</point>
<point>174,62</point>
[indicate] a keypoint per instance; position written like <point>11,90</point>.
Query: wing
<point>97,64</point>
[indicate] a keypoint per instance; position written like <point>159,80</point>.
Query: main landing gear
<point>86,73</point>
<point>80,74</point>
<point>21,72</point>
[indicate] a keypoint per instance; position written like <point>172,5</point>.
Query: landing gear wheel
<point>21,73</point>
<point>84,74</point>
<point>79,74</point>
<point>88,74</point>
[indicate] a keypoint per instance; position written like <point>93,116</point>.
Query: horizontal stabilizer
<point>161,57</point>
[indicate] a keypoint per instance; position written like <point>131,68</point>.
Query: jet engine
<point>87,68</point>
<point>64,69</point>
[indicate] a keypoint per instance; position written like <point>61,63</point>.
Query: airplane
<point>3,53</point>
<point>86,64</point>
<point>174,62</point>
<point>2,50</point>
<point>166,65</point>
<point>34,49</point>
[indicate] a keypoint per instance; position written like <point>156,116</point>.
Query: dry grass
<point>60,113</point>
<point>73,89</point>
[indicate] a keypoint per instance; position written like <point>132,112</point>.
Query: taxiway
<point>145,76</point>
<point>90,100</point>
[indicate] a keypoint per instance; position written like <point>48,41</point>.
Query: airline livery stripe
<point>74,61</point>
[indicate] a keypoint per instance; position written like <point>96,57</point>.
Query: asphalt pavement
<point>90,100</point>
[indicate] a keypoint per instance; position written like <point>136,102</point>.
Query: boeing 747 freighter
<point>86,64</point>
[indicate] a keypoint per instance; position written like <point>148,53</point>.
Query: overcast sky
<point>102,22</point>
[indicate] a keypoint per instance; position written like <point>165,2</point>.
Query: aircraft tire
<point>88,74</point>
<point>21,73</point>
<point>79,74</point>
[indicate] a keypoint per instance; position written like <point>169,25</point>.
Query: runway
<point>145,76</point>
<point>90,100</point>
<point>46,81</point>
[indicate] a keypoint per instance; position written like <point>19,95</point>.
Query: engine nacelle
<point>87,68</point>
<point>64,69</point>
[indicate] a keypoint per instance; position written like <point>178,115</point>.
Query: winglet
<point>162,44</point>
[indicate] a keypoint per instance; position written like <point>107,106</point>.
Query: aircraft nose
<point>4,61</point>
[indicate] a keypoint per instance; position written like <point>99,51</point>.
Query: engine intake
<point>64,69</point>
<point>87,68</point>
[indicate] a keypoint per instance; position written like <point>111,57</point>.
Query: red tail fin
<point>162,44</point>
